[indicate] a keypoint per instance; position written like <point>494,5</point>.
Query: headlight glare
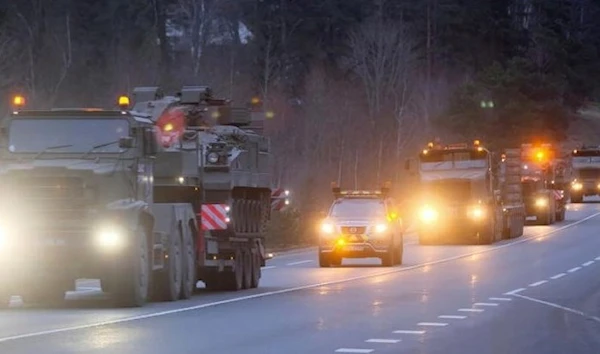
<point>327,228</point>
<point>380,228</point>
<point>577,186</point>
<point>477,212</point>
<point>428,214</point>
<point>541,202</point>
<point>110,238</point>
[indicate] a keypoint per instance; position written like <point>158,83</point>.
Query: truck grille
<point>51,198</point>
<point>353,230</point>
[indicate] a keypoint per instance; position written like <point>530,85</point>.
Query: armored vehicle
<point>149,199</point>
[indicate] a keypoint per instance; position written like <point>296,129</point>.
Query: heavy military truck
<point>586,173</point>
<point>543,181</point>
<point>150,199</point>
<point>467,192</point>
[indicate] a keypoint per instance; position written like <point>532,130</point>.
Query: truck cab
<point>361,224</point>
<point>586,173</point>
<point>457,194</point>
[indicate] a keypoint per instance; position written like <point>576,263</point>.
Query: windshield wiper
<point>50,148</point>
<point>98,147</point>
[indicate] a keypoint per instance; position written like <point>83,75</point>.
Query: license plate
<point>354,248</point>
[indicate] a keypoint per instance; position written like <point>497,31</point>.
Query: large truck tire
<point>560,215</point>
<point>247,282</point>
<point>132,286</point>
<point>167,283</point>
<point>189,276</point>
<point>399,254</point>
<point>233,280</point>
<point>487,236</point>
<point>256,271</point>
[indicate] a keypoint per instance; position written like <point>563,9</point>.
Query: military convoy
<point>468,192</point>
<point>150,198</point>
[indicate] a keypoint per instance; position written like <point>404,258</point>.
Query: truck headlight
<point>541,202</point>
<point>477,212</point>
<point>110,238</point>
<point>577,186</point>
<point>428,214</point>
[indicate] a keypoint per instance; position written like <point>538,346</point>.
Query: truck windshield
<point>358,208</point>
<point>450,160</point>
<point>72,135</point>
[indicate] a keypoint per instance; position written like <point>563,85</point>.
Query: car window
<point>358,208</point>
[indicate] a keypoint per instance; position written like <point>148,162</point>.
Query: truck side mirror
<point>150,143</point>
<point>126,142</point>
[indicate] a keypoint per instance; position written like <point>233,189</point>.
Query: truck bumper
<point>452,229</point>
<point>63,253</point>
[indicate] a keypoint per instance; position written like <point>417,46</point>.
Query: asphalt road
<point>536,294</point>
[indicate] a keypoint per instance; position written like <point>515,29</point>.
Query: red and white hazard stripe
<point>278,199</point>
<point>558,194</point>
<point>214,216</point>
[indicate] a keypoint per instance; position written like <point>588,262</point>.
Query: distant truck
<point>149,198</point>
<point>468,192</point>
<point>361,224</point>
<point>586,173</point>
<point>544,177</point>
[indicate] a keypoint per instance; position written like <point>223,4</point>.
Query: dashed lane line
<point>403,331</point>
<point>354,350</point>
<point>452,317</point>
<point>557,276</point>
<point>432,324</point>
<point>573,270</point>
<point>384,341</point>
<point>500,299</point>
<point>489,304</point>
<point>538,283</point>
<point>299,262</point>
<point>471,310</point>
<point>268,267</point>
<point>293,289</point>
<point>588,263</point>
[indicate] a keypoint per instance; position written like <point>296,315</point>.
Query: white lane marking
<point>597,258</point>
<point>453,317</point>
<point>299,262</point>
<point>537,283</point>
<point>470,310</point>
<point>568,309</point>
<point>387,341</point>
<point>500,299</point>
<point>297,288</point>
<point>572,270</point>
<point>557,276</point>
<point>401,331</point>
<point>484,304</point>
<point>514,291</point>
<point>88,288</point>
<point>353,350</point>
<point>588,263</point>
<point>432,324</point>
<point>268,267</point>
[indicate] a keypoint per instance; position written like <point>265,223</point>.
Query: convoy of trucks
<point>166,191</point>
<point>150,198</point>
